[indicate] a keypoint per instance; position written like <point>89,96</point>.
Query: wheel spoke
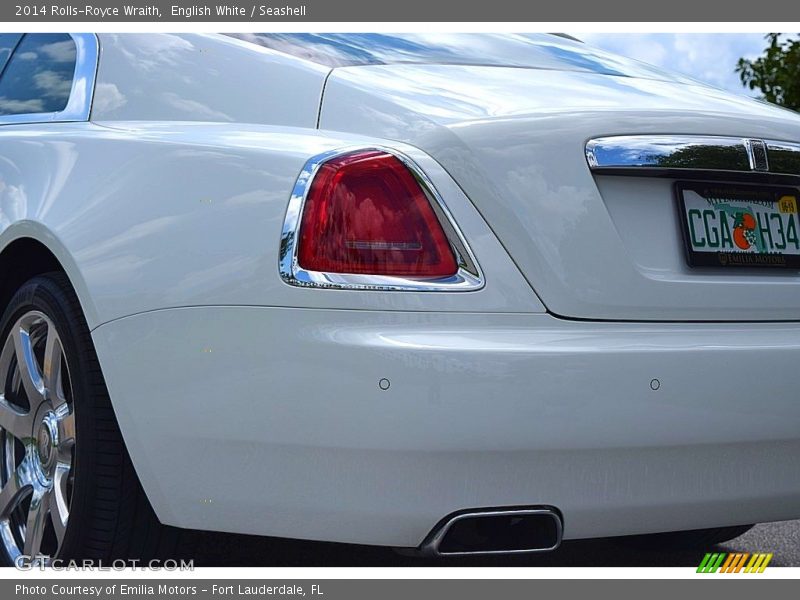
<point>52,365</point>
<point>66,429</point>
<point>18,424</point>
<point>59,513</point>
<point>16,487</point>
<point>28,368</point>
<point>37,517</point>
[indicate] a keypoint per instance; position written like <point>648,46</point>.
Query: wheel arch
<point>28,249</point>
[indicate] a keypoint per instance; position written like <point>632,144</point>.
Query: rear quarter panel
<point>200,77</point>
<point>158,216</point>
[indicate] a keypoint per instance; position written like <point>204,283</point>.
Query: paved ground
<point>782,539</point>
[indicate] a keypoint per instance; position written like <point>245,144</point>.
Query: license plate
<point>740,225</point>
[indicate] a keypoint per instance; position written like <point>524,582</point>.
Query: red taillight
<point>365,213</point>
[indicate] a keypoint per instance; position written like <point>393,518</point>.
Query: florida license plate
<point>740,225</point>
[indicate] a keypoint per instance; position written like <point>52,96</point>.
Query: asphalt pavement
<point>225,550</point>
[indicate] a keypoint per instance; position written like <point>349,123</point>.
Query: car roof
<point>540,51</point>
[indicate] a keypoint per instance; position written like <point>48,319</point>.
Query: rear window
<point>8,41</point>
<point>541,51</point>
<point>38,77</point>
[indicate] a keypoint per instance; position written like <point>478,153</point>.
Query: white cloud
<point>52,84</point>
<point>197,109</point>
<point>10,106</point>
<point>708,57</point>
<point>64,52</point>
<point>108,98</point>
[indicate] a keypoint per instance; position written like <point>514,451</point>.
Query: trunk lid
<point>593,246</point>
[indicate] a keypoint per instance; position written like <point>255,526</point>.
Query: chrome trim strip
<point>784,157</point>
<point>469,276</point>
<point>757,155</point>
<point>641,153</point>
<point>431,544</point>
<point>79,105</point>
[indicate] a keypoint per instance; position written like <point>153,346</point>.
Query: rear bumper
<point>272,421</point>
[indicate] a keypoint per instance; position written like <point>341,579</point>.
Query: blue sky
<point>709,57</point>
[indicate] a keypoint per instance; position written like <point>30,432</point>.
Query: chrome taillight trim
<point>469,276</point>
<point>79,105</point>
<point>642,155</point>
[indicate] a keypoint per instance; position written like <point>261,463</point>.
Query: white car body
<point>591,370</point>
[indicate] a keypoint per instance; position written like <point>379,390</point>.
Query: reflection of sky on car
<point>462,93</point>
<point>541,51</point>
<point>708,57</point>
<point>38,78</point>
<point>7,43</point>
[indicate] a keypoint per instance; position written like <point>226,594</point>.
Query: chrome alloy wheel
<point>37,439</point>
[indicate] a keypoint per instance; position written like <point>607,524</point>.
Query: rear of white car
<point>423,300</point>
<point>641,395</point>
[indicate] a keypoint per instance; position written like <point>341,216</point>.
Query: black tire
<point>110,517</point>
<point>696,539</point>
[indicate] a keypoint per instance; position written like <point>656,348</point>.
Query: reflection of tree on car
<point>707,156</point>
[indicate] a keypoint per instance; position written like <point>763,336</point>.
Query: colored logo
<point>744,230</point>
<point>738,562</point>
<point>744,227</point>
<point>787,204</point>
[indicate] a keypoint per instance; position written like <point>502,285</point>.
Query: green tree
<point>776,73</point>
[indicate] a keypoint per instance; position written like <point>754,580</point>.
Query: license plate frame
<point>761,196</point>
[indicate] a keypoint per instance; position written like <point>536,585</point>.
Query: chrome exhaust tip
<point>495,531</point>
